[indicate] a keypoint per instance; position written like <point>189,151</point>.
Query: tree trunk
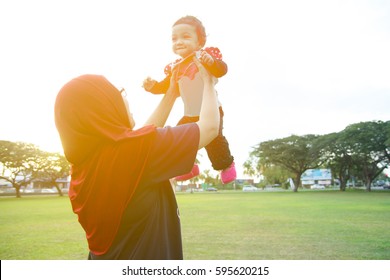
<point>368,187</point>
<point>297,182</point>
<point>343,177</point>
<point>17,189</point>
<point>58,189</point>
<point>343,183</point>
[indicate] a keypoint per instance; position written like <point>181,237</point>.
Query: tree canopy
<point>294,153</point>
<point>22,163</point>
<point>361,150</point>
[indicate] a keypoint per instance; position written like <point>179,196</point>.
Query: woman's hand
<point>206,76</point>
<point>173,86</point>
<point>205,58</point>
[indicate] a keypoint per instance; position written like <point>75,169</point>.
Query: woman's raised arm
<point>164,108</point>
<point>209,113</point>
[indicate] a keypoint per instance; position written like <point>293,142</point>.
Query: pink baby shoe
<point>229,174</point>
<point>194,172</point>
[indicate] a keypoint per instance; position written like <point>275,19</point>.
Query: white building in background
<point>322,177</point>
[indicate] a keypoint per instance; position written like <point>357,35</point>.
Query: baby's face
<point>184,40</point>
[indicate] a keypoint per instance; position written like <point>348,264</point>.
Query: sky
<point>295,67</point>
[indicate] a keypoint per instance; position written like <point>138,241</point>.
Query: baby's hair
<point>200,30</point>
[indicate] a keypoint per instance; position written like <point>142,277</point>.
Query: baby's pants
<point>218,150</point>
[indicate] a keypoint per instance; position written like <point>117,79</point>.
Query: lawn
<point>311,225</point>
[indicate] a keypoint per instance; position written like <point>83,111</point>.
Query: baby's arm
<point>155,87</point>
<point>149,83</point>
<point>218,69</point>
<point>211,58</point>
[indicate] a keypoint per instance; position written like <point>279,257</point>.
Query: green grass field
<point>312,225</point>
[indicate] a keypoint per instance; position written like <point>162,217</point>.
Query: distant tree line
<point>361,151</point>
<point>22,163</point>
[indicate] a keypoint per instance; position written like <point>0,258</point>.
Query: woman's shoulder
<point>174,131</point>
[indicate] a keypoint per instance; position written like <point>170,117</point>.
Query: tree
<point>368,145</point>
<point>276,175</point>
<point>53,166</point>
<point>209,179</point>
<point>250,167</point>
<point>337,156</point>
<point>19,161</point>
<point>386,136</point>
<point>294,153</point>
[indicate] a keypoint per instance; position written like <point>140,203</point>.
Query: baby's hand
<point>205,58</point>
<point>149,83</point>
